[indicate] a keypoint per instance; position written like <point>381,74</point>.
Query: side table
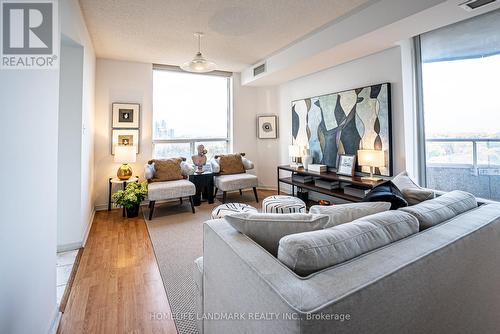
<point>204,183</point>
<point>115,180</point>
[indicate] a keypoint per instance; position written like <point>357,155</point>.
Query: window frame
<point>192,141</point>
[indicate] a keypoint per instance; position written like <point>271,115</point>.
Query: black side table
<point>204,183</point>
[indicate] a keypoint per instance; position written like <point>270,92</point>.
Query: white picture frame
<point>267,127</point>
<point>126,115</point>
<point>346,164</point>
<point>125,137</point>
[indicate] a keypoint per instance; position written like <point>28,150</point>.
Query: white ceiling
<point>238,33</point>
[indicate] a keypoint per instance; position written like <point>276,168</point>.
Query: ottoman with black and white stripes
<point>283,204</point>
<point>230,209</point>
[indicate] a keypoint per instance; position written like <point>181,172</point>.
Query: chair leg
<point>224,193</point>
<point>241,193</point>
<point>192,203</point>
<point>255,193</point>
<point>215,193</point>
<point>180,198</point>
<point>151,209</point>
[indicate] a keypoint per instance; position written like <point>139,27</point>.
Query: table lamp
<point>372,159</point>
<point>294,154</point>
<point>124,154</point>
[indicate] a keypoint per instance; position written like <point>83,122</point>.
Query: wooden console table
<point>327,176</point>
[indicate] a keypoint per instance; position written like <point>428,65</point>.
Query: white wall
<point>381,67</point>
<point>120,81</point>
<point>73,27</point>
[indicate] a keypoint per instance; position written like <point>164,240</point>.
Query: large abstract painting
<point>342,123</point>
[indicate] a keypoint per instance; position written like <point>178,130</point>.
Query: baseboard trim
<point>56,319</point>
<point>76,245</point>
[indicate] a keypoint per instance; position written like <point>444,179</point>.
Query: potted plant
<point>131,197</point>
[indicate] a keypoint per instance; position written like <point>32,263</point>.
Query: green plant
<point>133,195</point>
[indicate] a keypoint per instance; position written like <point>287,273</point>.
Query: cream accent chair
<point>233,182</point>
<point>160,191</point>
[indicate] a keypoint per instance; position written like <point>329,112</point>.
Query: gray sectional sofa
<point>443,279</point>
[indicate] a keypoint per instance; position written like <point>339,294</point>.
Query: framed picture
<point>126,115</point>
<point>125,137</point>
<point>346,165</point>
<point>267,127</point>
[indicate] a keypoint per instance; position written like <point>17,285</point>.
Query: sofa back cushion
<point>306,253</point>
<point>231,164</point>
<point>267,229</point>
<point>166,169</point>
<point>346,213</point>
<point>442,208</point>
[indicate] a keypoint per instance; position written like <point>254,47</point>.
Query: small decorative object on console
<point>200,159</point>
<point>324,202</point>
<point>346,165</point>
<point>317,168</point>
<point>294,154</point>
<point>307,158</point>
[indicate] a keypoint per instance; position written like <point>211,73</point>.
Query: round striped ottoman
<point>283,204</point>
<point>230,209</point>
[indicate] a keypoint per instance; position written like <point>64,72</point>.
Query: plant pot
<point>133,211</point>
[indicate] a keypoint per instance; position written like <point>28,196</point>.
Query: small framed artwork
<point>126,115</point>
<point>346,164</point>
<point>125,137</point>
<point>267,127</point>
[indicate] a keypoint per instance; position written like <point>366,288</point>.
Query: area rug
<point>177,238</point>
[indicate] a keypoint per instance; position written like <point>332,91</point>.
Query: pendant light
<point>199,64</point>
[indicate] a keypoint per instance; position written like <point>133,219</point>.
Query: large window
<point>188,110</point>
<point>460,67</point>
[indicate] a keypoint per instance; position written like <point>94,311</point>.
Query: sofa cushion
<point>267,229</point>
<point>306,253</point>
<point>231,164</point>
<point>166,169</point>
<point>442,208</point>
<point>235,181</point>
<point>387,192</point>
<point>345,213</point>
<point>417,195</point>
<point>170,189</point>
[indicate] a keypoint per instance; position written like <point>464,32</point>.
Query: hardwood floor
<point>117,286</point>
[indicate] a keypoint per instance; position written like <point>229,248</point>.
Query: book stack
<point>356,191</point>
<point>302,178</point>
<point>317,168</point>
<point>325,184</point>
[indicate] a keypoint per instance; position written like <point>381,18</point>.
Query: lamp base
<point>124,172</point>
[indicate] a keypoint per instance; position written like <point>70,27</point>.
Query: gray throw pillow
<point>267,229</point>
<point>306,253</point>
<point>417,195</point>
<point>345,213</point>
<point>442,208</point>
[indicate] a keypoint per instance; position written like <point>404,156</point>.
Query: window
<point>188,110</point>
<point>460,106</point>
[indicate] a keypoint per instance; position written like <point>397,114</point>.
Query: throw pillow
<point>345,213</point>
<point>149,171</point>
<point>306,253</point>
<point>231,164</point>
<point>167,170</point>
<point>387,192</point>
<point>415,196</point>
<point>267,229</point>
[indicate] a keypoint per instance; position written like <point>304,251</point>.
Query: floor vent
<point>475,4</point>
<point>259,69</point>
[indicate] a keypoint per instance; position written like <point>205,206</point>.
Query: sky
<point>462,97</point>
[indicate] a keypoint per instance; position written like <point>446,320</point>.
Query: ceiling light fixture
<point>199,64</point>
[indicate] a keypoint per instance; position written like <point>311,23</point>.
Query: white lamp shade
<point>371,158</point>
<point>124,154</point>
<point>294,151</point>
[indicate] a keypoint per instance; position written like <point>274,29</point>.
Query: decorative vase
<point>307,159</point>
<point>133,211</point>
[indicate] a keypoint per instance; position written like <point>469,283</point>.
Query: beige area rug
<point>177,237</point>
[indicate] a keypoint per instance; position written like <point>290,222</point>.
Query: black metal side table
<point>204,183</point>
